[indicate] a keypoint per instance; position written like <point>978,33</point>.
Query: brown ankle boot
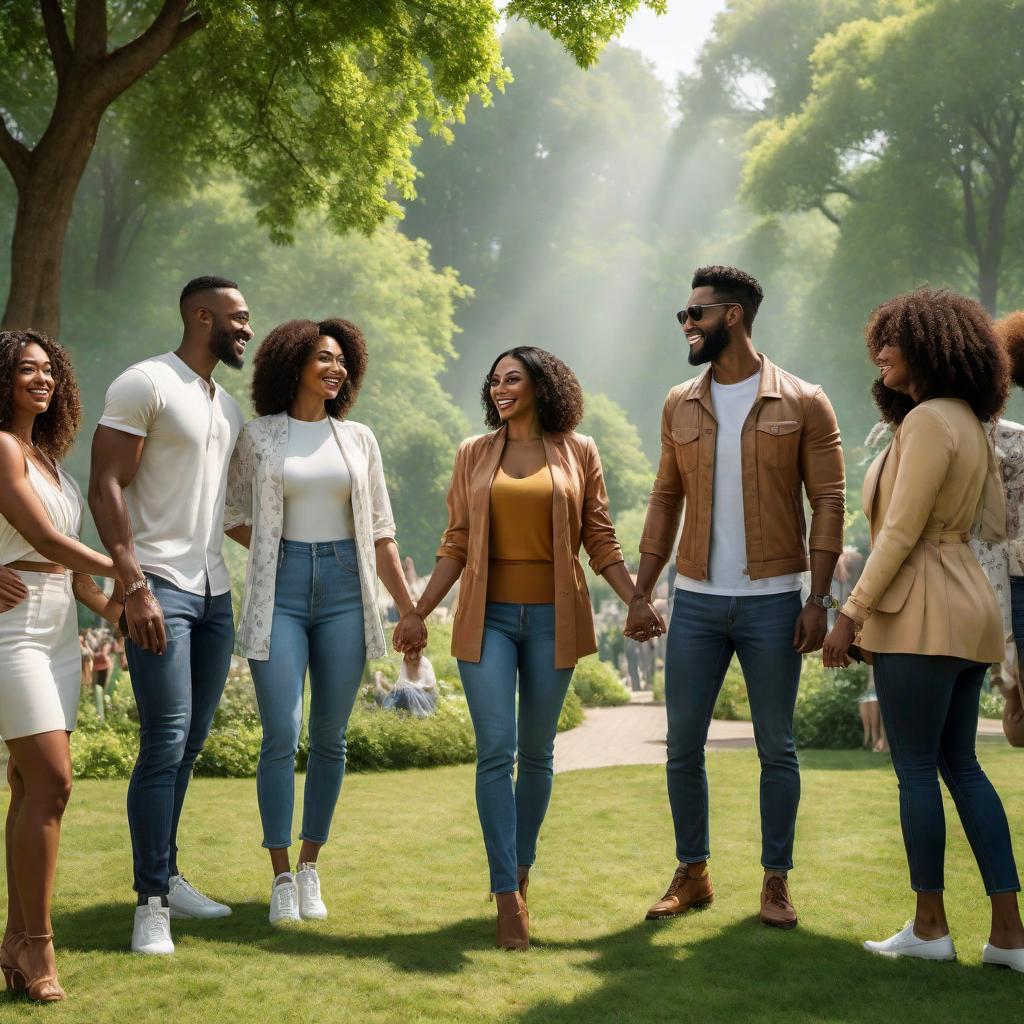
<point>685,891</point>
<point>776,909</point>
<point>513,921</point>
<point>524,880</point>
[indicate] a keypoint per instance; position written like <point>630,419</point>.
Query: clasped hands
<point>410,635</point>
<point>643,622</point>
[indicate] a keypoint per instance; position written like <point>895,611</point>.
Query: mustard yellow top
<point>521,567</point>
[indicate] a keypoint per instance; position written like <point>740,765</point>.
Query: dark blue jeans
<point>177,693</point>
<point>929,705</point>
<point>1017,615</point>
<point>704,633</point>
<point>519,640</point>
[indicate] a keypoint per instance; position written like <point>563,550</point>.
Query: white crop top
<point>63,507</point>
<point>317,485</point>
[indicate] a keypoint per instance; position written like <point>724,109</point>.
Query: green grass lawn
<point>410,934</point>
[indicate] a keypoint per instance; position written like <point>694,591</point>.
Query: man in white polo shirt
<point>159,470</point>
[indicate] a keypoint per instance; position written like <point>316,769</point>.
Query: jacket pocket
<point>687,444</point>
<point>777,442</point>
<point>898,591</point>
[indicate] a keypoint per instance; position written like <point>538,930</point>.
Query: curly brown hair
<point>559,395</point>
<point>53,431</point>
<point>951,346</point>
<point>1010,331</point>
<point>283,353</point>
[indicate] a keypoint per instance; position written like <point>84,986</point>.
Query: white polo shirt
<point>176,501</point>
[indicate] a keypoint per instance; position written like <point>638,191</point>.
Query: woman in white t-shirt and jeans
<point>306,495</point>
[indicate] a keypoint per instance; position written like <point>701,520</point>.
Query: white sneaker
<point>152,931</point>
<point>185,900</point>
<point>284,900</point>
<point>993,956</point>
<point>311,906</point>
<point>906,943</point>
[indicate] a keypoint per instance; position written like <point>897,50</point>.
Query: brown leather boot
<point>523,871</point>
<point>776,909</point>
<point>513,921</point>
<point>686,891</point>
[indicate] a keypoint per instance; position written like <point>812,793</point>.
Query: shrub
<point>103,754</point>
<point>826,706</point>
<point>597,684</point>
<point>732,704</point>
<point>231,752</point>
<point>992,702</point>
<point>381,740</point>
<point>572,711</point>
<point>658,687</point>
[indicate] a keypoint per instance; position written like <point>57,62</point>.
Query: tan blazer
<point>922,590</point>
<point>580,515</point>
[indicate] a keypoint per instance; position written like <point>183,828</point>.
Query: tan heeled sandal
<point>44,989</point>
<point>7,962</point>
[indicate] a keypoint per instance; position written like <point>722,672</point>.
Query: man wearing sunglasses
<point>738,443</point>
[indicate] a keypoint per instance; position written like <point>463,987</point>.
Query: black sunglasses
<point>696,313</point>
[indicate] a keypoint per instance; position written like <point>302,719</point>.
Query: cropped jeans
<point>317,626</point>
<point>177,694</point>
<point>929,706</point>
<point>704,633</point>
<point>518,641</point>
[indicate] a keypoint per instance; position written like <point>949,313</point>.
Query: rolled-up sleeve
<point>665,506</point>
<point>597,531</point>
<point>238,495</point>
<point>926,451</point>
<point>455,539</point>
<point>824,474</point>
<point>381,516</point>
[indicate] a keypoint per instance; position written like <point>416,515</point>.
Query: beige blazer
<point>922,590</point>
<point>579,517</point>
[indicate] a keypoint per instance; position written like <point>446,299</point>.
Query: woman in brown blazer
<point>923,611</point>
<point>522,500</point>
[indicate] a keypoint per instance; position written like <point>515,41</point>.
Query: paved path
<point>635,734</point>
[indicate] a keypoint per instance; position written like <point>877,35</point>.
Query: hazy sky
<point>673,40</point>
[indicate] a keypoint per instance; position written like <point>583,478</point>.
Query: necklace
<point>41,460</point>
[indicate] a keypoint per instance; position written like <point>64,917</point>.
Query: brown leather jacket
<point>580,514</point>
<point>790,440</point>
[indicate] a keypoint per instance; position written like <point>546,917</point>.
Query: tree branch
<point>56,36</point>
<point>15,154</point>
<point>970,213</point>
<point>827,213</point>
<point>90,30</point>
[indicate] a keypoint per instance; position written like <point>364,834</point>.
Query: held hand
<point>410,636</point>
<point>643,621</point>
<point>811,627</point>
<point>144,619</point>
<point>837,643</point>
<point>12,590</point>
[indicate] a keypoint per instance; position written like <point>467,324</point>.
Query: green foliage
<point>826,706</point>
<point>597,684</point>
<point>231,751</point>
<point>104,754</point>
<point>572,712</point>
<point>992,703</point>
<point>732,704</point>
<point>628,474</point>
<point>386,740</point>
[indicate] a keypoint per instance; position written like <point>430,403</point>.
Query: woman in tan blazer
<point>923,611</point>
<point>522,500</point>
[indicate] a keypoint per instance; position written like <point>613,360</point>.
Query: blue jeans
<point>518,639</point>
<point>704,633</point>
<point>317,625</point>
<point>1017,615</point>
<point>929,706</point>
<point>177,693</point>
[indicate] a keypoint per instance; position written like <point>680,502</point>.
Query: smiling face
<point>227,317</point>
<point>324,371</point>
<point>709,336</point>
<point>894,368</point>
<point>512,390</point>
<point>33,381</point>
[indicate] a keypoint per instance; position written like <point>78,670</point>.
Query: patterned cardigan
<point>255,497</point>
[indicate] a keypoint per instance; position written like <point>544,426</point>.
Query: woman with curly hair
<point>306,495</point>
<point>40,667</point>
<point>923,610</point>
<point>521,501</point>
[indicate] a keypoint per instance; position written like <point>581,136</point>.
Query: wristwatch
<point>823,601</point>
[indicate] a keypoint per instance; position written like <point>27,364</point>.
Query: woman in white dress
<point>40,663</point>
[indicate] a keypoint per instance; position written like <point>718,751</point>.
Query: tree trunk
<point>121,207</point>
<point>45,202</point>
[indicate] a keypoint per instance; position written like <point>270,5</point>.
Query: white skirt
<point>40,660</point>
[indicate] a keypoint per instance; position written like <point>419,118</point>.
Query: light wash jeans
<point>519,640</point>
<point>176,693</point>
<point>317,625</point>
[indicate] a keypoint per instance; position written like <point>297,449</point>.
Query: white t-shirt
<point>176,501</point>
<point>317,485</point>
<point>728,557</point>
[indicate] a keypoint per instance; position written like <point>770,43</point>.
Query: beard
<point>711,347</point>
<point>222,345</point>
